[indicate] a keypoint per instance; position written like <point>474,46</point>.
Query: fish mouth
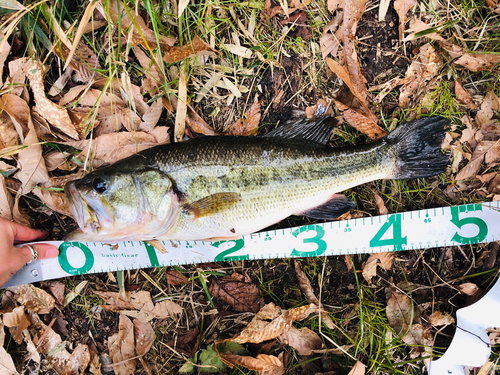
<point>84,215</point>
<point>75,202</point>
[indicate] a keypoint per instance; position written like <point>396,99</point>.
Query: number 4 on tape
<point>397,240</point>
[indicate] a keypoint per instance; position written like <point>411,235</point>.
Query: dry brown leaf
<point>8,132</point>
<point>78,361</point>
<point>58,160</point>
<point>263,362</point>
<point>259,332</point>
<point>380,204</point>
<point>51,344</point>
<point>141,301</point>
<point>353,10</point>
<point>370,268</point>
<point>72,94</point>
<point>84,61</point>
<point>161,134</point>
<point>197,124</point>
<point>249,125</point>
<point>333,5</point>
<point>400,312</point>
<point>151,68</point>
<point>33,298</point>
<point>31,164</point>
<point>304,341</point>
<point>57,289</point>
<point>358,369</point>
<point>437,319</point>
<point>175,278</point>
<point>52,112</point>
<point>472,168</point>
<point>302,312</point>
<point>6,200</point>
<point>58,86</point>
<point>361,122</point>
<point>19,113</point>
<point>421,340</point>
<point>55,200</point>
<point>6,363</point>
<point>196,47</point>
<point>122,347</point>
<point>490,104</point>
<point>278,370</point>
<point>33,354</point>
<point>402,7</point>
<point>417,26</point>
<point>181,110</point>
<point>105,99</point>
<point>469,289</point>
<point>151,117</point>
<point>128,19</point>
<point>384,260</point>
<point>165,309</point>
<point>144,337</point>
<point>187,343</point>
<point>463,96</point>
<point>305,285</point>
<point>419,76</point>
<point>4,53</point>
<point>17,323</point>
<point>113,147</point>
<point>17,77</point>
<point>495,7</point>
<point>19,215</point>
<point>237,291</point>
<point>476,62</point>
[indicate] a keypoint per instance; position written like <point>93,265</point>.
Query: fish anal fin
<point>212,204</point>
<point>336,206</point>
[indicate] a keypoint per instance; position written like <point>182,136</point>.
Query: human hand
<point>12,258</point>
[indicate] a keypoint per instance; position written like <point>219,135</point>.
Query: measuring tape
<point>435,227</point>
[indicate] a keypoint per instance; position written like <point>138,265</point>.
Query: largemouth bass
<point>226,187</point>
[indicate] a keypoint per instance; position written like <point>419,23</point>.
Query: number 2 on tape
<point>224,255</point>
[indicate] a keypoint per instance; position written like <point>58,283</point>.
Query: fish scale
<point>281,178</point>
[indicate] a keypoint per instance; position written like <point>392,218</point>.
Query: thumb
<point>19,256</point>
<point>23,255</point>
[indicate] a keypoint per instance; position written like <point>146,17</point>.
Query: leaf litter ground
<point>384,312</point>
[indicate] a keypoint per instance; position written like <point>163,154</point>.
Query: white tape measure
<point>436,227</point>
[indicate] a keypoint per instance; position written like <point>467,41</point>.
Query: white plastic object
<point>470,346</point>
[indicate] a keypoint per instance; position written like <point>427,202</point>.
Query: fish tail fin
<point>418,147</point>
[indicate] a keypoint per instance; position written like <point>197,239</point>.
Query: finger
<point>22,255</point>
<point>44,251</point>
<point>22,233</point>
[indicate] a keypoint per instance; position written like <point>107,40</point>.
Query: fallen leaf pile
<point>21,309</point>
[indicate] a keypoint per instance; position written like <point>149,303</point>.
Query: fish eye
<point>99,185</point>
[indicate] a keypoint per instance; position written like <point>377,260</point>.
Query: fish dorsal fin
<point>338,205</point>
<point>317,130</point>
<point>213,203</point>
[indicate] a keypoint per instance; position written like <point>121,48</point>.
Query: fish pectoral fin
<point>332,209</point>
<point>213,204</point>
